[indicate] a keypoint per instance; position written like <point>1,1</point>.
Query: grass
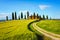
<point>39,35</point>
<point>50,25</point>
<point>16,30</point>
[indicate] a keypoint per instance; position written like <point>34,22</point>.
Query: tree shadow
<point>39,37</point>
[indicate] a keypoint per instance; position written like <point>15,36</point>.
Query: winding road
<point>44,32</point>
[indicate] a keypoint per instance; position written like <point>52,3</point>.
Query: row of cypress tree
<point>14,16</point>
<point>39,16</point>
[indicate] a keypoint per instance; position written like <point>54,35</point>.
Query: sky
<point>46,7</point>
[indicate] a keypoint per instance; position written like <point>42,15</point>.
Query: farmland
<point>50,25</point>
<point>16,30</point>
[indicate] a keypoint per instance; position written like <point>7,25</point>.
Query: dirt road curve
<point>44,32</point>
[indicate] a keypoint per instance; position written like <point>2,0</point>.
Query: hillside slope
<point>50,25</point>
<point>16,30</point>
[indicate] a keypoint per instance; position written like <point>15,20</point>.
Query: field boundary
<point>44,32</point>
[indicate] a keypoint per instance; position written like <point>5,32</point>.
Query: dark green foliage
<point>43,17</point>
<point>6,18</point>
<point>34,15</point>
<point>37,16</point>
<point>15,16</point>
<point>24,16</point>
<point>21,15</point>
<point>40,17</point>
<point>18,17</point>
<point>12,16</point>
<point>47,17</point>
<point>27,15</point>
<point>31,16</point>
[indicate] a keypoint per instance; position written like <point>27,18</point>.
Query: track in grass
<point>50,25</point>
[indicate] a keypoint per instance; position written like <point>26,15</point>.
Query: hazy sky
<point>46,7</point>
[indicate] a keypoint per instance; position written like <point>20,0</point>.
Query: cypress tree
<point>34,15</point>
<point>47,17</point>
<point>21,15</point>
<point>24,16</point>
<point>40,17</point>
<point>12,16</point>
<point>31,16</point>
<point>43,17</point>
<point>37,16</point>
<point>18,17</point>
<point>50,18</point>
<point>6,18</point>
<point>15,16</point>
<point>27,15</point>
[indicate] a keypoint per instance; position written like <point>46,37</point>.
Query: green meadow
<point>16,30</point>
<point>50,25</point>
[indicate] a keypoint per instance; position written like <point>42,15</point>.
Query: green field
<point>16,30</point>
<point>50,25</point>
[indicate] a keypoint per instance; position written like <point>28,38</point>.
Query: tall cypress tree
<point>31,16</point>
<point>47,17</point>
<point>18,17</point>
<point>34,15</point>
<point>43,17</point>
<point>6,18</point>
<point>15,16</point>
<point>12,16</point>
<point>24,16</point>
<point>50,18</point>
<point>27,14</point>
<point>21,15</point>
<point>37,16</point>
<point>40,17</point>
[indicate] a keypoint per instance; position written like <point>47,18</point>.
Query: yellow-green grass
<point>50,25</point>
<point>16,30</point>
<point>40,35</point>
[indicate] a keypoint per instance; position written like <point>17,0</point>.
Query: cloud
<point>3,15</point>
<point>43,7</point>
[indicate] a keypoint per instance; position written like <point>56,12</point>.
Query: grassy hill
<point>50,25</point>
<point>16,30</point>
